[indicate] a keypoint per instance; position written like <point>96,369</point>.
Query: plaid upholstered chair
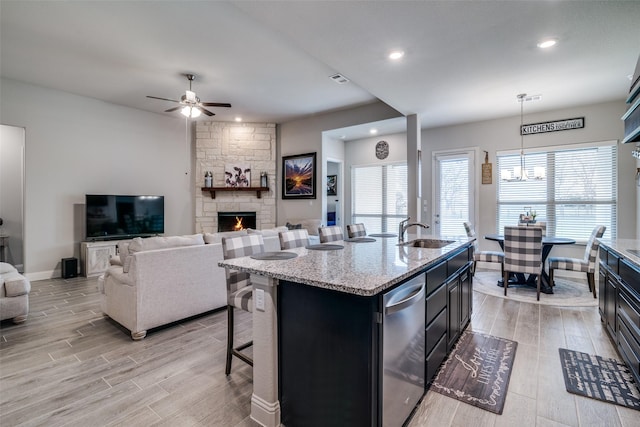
<point>541,224</point>
<point>356,230</point>
<point>522,253</point>
<point>293,238</point>
<point>239,289</point>
<point>330,234</point>
<point>587,264</point>
<point>483,256</point>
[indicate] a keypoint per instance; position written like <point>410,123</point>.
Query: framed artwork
<point>237,175</point>
<point>332,185</point>
<point>299,176</point>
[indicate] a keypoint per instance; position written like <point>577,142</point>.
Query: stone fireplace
<point>233,221</point>
<point>220,144</point>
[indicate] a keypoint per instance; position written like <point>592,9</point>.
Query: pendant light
<point>519,172</point>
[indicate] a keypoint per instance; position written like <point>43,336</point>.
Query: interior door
<point>454,191</point>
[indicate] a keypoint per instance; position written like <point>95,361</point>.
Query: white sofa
<point>160,280</point>
<point>14,294</point>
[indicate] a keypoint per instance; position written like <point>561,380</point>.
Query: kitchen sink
<point>428,243</point>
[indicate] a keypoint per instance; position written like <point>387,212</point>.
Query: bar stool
<point>239,289</point>
<point>330,234</point>
<point>356,230</point>
<point>293,238</point>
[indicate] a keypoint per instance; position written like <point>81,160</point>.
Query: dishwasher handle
<point>407,302</point>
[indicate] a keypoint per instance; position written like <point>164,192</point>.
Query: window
<point>379,195</point>
<point>571,188</point>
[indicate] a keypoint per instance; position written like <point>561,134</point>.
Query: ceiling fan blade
<point>207,112</point>
<point>216,104</point>
<point>172,109</point>
<point>162,99</point>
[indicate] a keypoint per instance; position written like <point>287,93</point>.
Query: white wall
<point>602,122</point>
<point>77,145</point>
<point>362,152</point>
<point>305,136</point>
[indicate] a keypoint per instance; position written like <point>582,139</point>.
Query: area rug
<point>599,378</point>
<point>477,371</point>
<point>566,293</point>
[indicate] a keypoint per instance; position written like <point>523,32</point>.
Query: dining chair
<point>483,256</point>
<point>293,238</point>
<point>540,224</point>
<point>239,289</point>
<point>587,264</point>
<point>356,230</point>
<point>330,234</point>
<point>522,253</point>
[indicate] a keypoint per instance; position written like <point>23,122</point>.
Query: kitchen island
<point>319,327</point>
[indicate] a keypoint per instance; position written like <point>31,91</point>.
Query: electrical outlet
<point>259,294</point>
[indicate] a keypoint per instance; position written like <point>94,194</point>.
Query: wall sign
<point>486,169</point>
<point>558,125</point>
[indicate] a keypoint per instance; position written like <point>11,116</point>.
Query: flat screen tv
<point>118,217</point>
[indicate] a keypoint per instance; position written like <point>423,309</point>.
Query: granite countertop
<point>622,247</point>
<point>360,268</point>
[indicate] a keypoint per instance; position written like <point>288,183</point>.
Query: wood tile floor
<point>68,365</point>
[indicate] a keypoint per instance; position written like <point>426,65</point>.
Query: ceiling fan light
<point>191,96</point>
<point>195,112</point>
<point>186,111</point>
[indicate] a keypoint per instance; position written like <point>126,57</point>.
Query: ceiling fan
<point>190,105</point>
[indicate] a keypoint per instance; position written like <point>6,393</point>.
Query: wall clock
<point>382,150</point>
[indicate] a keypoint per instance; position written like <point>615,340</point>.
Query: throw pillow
<point>293,226</point>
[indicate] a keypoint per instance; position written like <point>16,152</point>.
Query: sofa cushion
<point>16,284</point>
<point>139,244</point>
<point>310,224</point>
<point>268,232</point>
<point>210,238</point>
<point>151,243</point>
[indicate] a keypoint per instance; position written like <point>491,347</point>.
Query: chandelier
<point>519,173</point>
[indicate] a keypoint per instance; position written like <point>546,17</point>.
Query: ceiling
<point>464,60</point>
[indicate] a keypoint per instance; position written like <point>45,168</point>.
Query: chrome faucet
<point>402,228</point>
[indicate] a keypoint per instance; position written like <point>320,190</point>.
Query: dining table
<point>548,242</point>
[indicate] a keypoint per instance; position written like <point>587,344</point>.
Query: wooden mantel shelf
<point>213,190</point>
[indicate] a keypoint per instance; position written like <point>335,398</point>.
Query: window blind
<point>578,190</point>
<point>379,196</point>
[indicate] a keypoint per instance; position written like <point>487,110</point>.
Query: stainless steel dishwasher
<point>403,350</point>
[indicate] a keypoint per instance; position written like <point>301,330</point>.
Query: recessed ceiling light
<point>545,44</point>
<point>396,54</point>
<point>373,131</point>
<point>238,119</point>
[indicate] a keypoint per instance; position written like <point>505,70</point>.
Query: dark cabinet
<point>453,304</point>
<point>602,280</point>
<point>460,298</point>
<point>620,305</point>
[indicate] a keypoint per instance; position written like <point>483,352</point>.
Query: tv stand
<point>95,255</point>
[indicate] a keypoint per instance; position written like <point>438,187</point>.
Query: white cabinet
<point>94,256</point>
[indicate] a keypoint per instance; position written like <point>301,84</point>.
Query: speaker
<point>69,267</point>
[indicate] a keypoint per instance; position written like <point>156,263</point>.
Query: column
<point>265,407</point>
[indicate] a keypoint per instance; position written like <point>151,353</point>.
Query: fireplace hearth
<point>233,221</point>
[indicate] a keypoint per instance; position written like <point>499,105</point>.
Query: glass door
<point>453,192</point>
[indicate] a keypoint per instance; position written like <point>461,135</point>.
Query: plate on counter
<point>325,247</point>
<point>360,239</point>
<point>383,235</point>
<point>272,256</point>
